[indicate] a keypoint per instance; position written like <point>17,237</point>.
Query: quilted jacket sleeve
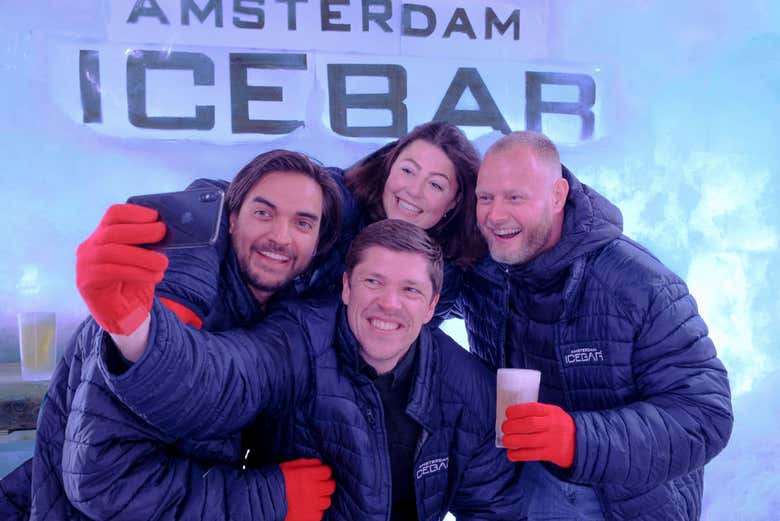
<point>15,493</point>
<point>491,487</point>
<point>116,466</point>
<point>48,496</point>
<point>683,417</point>
<point>192,277</point>
<point>195,384</point>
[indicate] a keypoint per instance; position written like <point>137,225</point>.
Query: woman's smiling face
<point>421,186</point>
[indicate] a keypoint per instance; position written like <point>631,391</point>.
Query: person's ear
<point>455,202</point>
<point>431,308</point>
<point>345,289</point>
<point>560,192</point>
<point>232,222</point>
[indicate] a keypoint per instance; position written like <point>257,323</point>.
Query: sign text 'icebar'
<point>466,86</point>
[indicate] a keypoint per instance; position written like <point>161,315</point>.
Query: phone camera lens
<point>208,198</point>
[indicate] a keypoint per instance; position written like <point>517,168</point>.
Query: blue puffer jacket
<point>116,465</point>
<point>153,476</point>
<point>292,367</point>
<point>172,469</point>
<point>629,358</point>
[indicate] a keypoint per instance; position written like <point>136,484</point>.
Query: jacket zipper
<point>505,341</point>
<point>376,422</point>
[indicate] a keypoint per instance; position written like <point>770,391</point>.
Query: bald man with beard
<point>633,399</point>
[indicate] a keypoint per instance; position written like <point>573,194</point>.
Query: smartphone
<point>191,217</point>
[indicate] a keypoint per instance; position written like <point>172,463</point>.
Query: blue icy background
<point>690,156</point>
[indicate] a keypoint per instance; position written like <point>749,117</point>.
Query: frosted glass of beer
<point>514,386</point>
<point>36,344</point>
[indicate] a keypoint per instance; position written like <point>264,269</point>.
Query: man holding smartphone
<point>284,212</point>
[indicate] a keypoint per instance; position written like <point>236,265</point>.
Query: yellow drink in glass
<point>36,344</point>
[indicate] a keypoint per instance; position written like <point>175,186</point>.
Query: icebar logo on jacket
<point>583,355</point>
<point>432,466</point>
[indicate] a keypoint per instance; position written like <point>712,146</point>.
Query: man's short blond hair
<point>542,147</point>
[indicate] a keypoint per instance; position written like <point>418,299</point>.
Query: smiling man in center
<point>401,413</point>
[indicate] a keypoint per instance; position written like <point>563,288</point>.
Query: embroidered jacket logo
<point>583,355</point>
<point>431,466</point>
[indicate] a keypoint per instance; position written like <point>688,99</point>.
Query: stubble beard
<point>257,281</point>
<point>532,242</point>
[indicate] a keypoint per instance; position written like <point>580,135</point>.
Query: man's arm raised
<point>186,382</point>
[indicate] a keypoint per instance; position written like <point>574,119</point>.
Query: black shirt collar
<point>399,375</point>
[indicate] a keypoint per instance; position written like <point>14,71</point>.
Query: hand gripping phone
<point>191,217</point>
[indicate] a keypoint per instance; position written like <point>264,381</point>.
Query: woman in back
<point>426,178</point>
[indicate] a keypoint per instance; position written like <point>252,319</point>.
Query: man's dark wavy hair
<point>288,161</point>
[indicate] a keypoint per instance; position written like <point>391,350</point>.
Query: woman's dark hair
<point>288,161</point>
<point>457,231</point>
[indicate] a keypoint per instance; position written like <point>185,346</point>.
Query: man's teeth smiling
<point>274,256</point>
<point>407,206</point>
<point>506,232</point>
<point>384,326</point>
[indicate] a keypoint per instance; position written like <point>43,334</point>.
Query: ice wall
<point>687,148</point>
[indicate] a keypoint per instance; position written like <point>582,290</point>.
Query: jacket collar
<point>424,405</point>
<point>239,299</point>
<point>425,399</point>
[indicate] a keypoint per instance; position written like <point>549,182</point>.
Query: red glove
<point>308,484</point>
<point>115,278</point>
<point>539,432</point>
